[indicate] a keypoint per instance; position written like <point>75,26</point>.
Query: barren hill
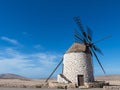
<point>12,76</point>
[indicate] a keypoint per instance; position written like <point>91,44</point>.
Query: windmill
<point>77,61</point>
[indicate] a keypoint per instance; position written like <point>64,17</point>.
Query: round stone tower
<point>77,65</point>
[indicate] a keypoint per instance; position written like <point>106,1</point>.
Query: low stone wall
<point>113,82</point>
<point>61,85</point>
<point>111,88</point>
<point>96,84</point>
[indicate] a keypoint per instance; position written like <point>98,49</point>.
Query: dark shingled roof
<point>76,47</point>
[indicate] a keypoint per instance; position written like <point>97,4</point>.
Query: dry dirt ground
<point>16,84</point>
<point>22,83</point>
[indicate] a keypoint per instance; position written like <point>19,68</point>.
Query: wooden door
<point>80,80</point>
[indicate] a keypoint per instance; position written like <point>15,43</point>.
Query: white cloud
<point>30,65</point>
<point>13,41</point>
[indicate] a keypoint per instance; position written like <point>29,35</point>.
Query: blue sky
<point>34,34</point>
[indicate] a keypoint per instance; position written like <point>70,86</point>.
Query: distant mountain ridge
<point>12,76</point>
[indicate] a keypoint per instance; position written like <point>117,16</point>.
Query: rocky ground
<point>18,83</point>
<point>45,89</point>
<point>30,84</point>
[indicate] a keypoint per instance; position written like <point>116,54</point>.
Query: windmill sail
<point>87,40</point>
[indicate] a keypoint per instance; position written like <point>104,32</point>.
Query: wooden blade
<point>90,51</point>
<point>98,61</point>
<point>97,49</point>
<point>89,33</point>
<point>78,22</point>
<point>102,39</point>
<point>78,33</point>
<point>54,70</point>
<point>78,37</point>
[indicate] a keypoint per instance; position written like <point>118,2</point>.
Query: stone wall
<point>111,88</point>
<point>62,79</point>
<point>77,63</point>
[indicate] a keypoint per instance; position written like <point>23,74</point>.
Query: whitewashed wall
<point>78,63</point>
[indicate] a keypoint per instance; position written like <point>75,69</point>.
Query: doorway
<point>80,80</point>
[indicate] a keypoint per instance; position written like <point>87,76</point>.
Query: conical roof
<point>76,47</point>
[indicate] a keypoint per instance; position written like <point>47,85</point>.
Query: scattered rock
<point>96,84</point>
<point>61,85</point>
<point>111,88</point>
